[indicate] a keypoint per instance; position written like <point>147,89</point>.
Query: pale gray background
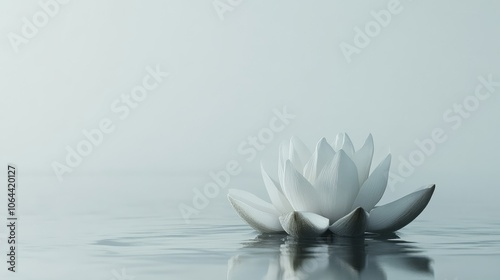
<point>226,78</point>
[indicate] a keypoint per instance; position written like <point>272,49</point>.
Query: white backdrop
<point>337,66</point>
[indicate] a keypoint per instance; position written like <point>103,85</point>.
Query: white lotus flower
<point>328,190</point>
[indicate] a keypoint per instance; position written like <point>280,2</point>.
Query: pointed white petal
<point>300,193</point>
<point>337,186</point>
<point>323,154</point>
<point>339,141</point>
<point>397,214</point>
<point>352,224</point>
<point>347,146</point>
<point>256,212</point>
<point>304,224</point>
<point>252,200</point>
<point>299,154</point>
<point>363,159</point>
<point>373,189</point>
<point>309,168</point>
<point>283,157</point>
<point>278,199</point>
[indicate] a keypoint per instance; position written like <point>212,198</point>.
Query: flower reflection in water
<point>283,257</point>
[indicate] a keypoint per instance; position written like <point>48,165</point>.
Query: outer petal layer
<point>299,191</point>
<point>352,224</point>
<point>363,159</point>
<point>304,224</point>
<point>373,189</point>
<point>277,197</point>
<point>256,212</point>
<point>283,157</point>
<point>397,214</point>
<point>298,153</point>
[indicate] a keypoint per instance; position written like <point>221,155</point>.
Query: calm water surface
<point>122,242</point>
<point>89,247</point>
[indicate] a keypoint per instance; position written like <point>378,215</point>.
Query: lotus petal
<point>373,188</point>
<point>344,142</point>
<point>397,214</point>
<point>337,186</point>
<point>323,154</point>
<point>278,199</point>
<point>352,224</point>
<point>363,159</point>
<point>283,157</point>
<point>299,154</point>
<point>339,141</point>
<point>303,224</point>
<point>300,193</point>
<point>259,214</point>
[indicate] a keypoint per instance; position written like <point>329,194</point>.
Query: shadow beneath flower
<point>328,257</point>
